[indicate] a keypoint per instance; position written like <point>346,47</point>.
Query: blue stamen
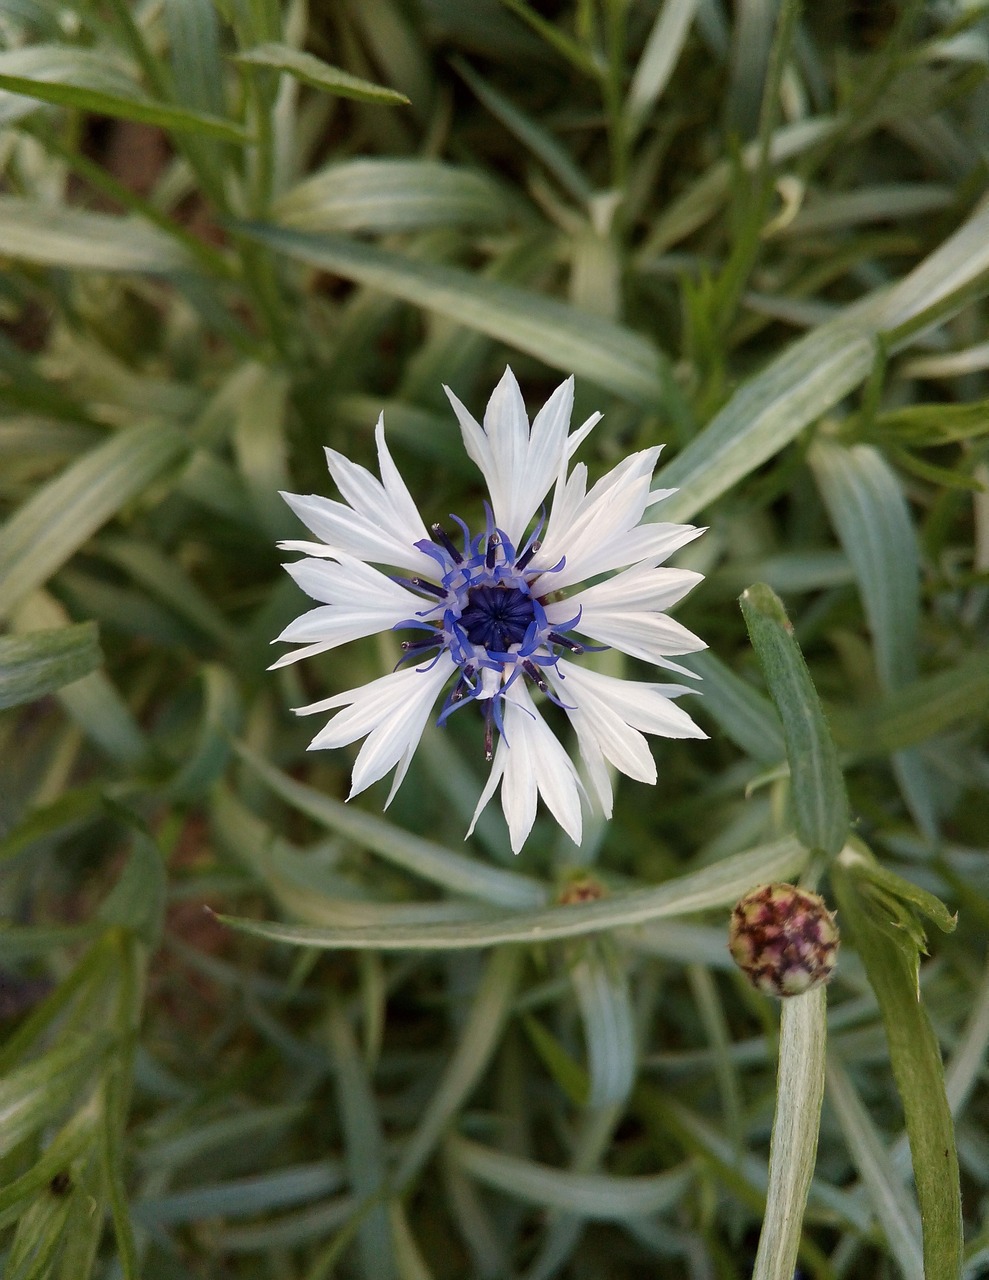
<point>486,618</point>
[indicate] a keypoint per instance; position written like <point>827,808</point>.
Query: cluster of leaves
<point>233,233</point>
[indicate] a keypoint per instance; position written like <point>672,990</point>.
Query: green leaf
<point>742,713</point>
<point>380,195</point>
<point>364,1147</point>
<point>221,716</point>
<point>793,1148</point>
<point>819,370</point>
<point>137,900</point>
<point>425,858</point>
<point>897,1214</point>
<point>32,1096</point>
<point>318,74</point>
<point>915,1058</point>
<point>580,58</point>
<point>927,424</point>
<point>531,133</point>
<point>870,516</point>
<point>125,106</point>
<point>601,985</point>
<point>820,804</point>
<point>563,337</point>
<point>55,522</point>
<point>57,236</point>
<point>42,661</point>
<point>658,59</point>
<point>480,1035</point>
<point>601,1197</point>
<point>194,42</point>
<point>242,1197</point>
<point>924,708</point>
<point>572,1078</point>
<point>716,886</point>
<point>97,70</point>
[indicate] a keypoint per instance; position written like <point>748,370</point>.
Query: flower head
<point>496,617</point>
<point>784,939</point>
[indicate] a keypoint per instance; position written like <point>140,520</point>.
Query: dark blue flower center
<point>496,617</point>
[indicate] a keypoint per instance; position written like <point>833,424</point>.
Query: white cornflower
<point>497,612</point>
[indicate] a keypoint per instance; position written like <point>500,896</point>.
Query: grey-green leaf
<point>716,886</point>
<point>820,804</point>
<point>56,236</point>
<point>563,337</point>
<point>917,1068</point>
<point>318,74</point>
<point>51,526</point>
<point>379,195</point>
<point>42,661</point>
<point>111,97</point>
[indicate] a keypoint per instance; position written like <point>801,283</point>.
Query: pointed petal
<point>639,589</point>
<point>649,636</point>
<point>390,713</point>
<point>357,534</point>
<point>519,465</point>
<point>535,762</point>
<point>652,543</point>
<point>377,521</point>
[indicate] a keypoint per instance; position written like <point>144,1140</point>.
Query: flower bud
<point>784,939</point>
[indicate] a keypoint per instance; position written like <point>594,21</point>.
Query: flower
<point>495,616</point>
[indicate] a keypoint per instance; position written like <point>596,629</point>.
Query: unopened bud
<point>784,939</point>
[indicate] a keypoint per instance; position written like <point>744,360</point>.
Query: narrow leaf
<point>597,1196</point>
<point>816,372</point>
<point>601,986</point>
<point>58,236</point>
<point>43,661</point>
<point>715,886</point>
<point>563,337</point>
<point>128,106</point>
<point>893,1207</point>
<point>318,74</point>
<point>820,804</point>
<point>916,1061</point>
<point>63,514</point>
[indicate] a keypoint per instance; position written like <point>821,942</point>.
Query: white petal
<point>360,601</point>
<point>587,529</point>
<point>378,520</point>
<point>529,762</point>
<point>343,579</point>
<point>640,704</point>
<point>646,544</point>
<point>507,429</point>
<point>544,458</point>
<point>649,636</point>
<point>357,534</point>
<point>601,725</point>
<point>610,716</point>
<point>638,589</point>
<point>390,712</point>
<point>519,465</point>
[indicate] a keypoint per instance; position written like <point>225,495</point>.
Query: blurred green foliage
<point>232,233</point>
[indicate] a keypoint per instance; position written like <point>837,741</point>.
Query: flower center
<point>482,612</point>
<point>497,617</point>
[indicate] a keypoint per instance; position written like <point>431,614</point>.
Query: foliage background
<point>753,234</point>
